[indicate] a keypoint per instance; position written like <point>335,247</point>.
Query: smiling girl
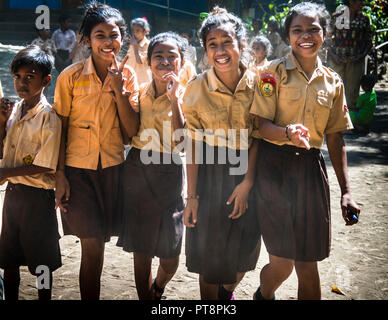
<point>223,236</point>
<point>97,118</point>
<point>153,215</point>
<point>299,102</point>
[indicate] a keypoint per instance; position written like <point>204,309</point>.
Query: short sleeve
<point>339,118</point>
<point>193,124</point>
<point>47,156</point>
<point>131,86</point>
<point>63,96</point>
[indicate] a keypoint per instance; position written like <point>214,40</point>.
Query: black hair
<point>97,13</point>
<point>142,23</point>
<point>63,17</point>
<point>307,9</point>
<point>35,56</point>
<point>368,81</point>
<point>219,17</point>
<point>163,37</point>
<point>264,42</point>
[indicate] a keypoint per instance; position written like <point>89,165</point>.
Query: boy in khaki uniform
<point>31,131</point>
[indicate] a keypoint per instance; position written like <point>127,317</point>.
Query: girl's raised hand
<point>299,135</point>
<point>172,85</point>
<point>116,73</point>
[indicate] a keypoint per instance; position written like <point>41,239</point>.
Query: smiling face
<point>138,32</point>
<point>222,48</point>
<point>305,36</point>
<point>165,58</point>
<point>29,82</point>
<point>105,41</point>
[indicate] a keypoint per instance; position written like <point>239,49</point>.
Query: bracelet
<point>192,197</point>
<point>287,126</point>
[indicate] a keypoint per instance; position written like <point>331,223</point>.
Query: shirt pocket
<point>289,93</point>
<point>214,120</point>
<point>322,110</point>
<point>78,141</point>
<point>29,150</point>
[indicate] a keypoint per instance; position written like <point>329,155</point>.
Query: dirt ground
<point>359,254</point>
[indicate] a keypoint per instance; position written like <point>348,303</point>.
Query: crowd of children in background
<point>101,104</point>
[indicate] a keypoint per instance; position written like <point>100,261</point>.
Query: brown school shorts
<point>29,234</point>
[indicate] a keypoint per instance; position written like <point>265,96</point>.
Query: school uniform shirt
<point>155,115</point>
<point>186,73</point>
<point>210,106</point>
<point>143,72</point>
<point>94,130</point>
<point>291,98</point>
<point>64,40</point>
<point>34,139</point>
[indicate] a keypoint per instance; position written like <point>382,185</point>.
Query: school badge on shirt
<point>267,84</point>
<point>27,160</point>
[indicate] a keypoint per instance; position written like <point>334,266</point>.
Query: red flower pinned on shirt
<point>346,108</point>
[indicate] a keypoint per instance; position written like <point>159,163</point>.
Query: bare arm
<point>190,212</point>
<point>337,153</point>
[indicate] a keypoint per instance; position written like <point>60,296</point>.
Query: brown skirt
<point>152,207</point>
<point>29,235</point>
<point>218,247</point>
<point>292,195</point>
<point>93,210</point>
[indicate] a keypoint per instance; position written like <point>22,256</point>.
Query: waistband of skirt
<point>289,149</point>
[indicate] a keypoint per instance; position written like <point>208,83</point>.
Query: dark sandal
<point>257,295</point>
<point>158,292</point>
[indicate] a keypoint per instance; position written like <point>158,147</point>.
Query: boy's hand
<point>6,107</point>
<point>240,196</point>
<point>62,191</point>
<point>350,210</point>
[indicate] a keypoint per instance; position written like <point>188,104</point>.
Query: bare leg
<point>208,291</point>
<point>309,287</point>
<point>92,261</point>
<point>11,284</point>
<point>166,271</point>
<point>231,287</point>
<point>273,274</point>
<point>143,275</point>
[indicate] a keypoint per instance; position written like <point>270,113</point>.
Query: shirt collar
<point>247,80</point>
<point>33,111</point>
<point>88,66</point>
<point>292,63</point>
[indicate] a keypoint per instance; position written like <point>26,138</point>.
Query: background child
<point>80,50</point>
<point>137,51</point>
<point>298,102</point>
<point>222,240</point>
<point>261,48</point>
<point>44,42</point>
<point>362,115</point>
<point>279,47</point>
<point>29,234</point>
<point>191,52</point>
<point>95,113</point>
<point>64,39</point>
<point>153,216</point>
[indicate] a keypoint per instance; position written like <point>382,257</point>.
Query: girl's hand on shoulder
<point>350,209</point>
<point>190,213</point>
<point>240,197</point>
<point>116,73</point>
<point>6,107</point>
<point>299,135</point>
<point>172,85</point>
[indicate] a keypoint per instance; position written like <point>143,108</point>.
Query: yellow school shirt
<point>34,139</point>
<point>318,103</point>
<point>155,121</point>
<point>94,130</point>
<point>143,72</point>
<point>210,106</point>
